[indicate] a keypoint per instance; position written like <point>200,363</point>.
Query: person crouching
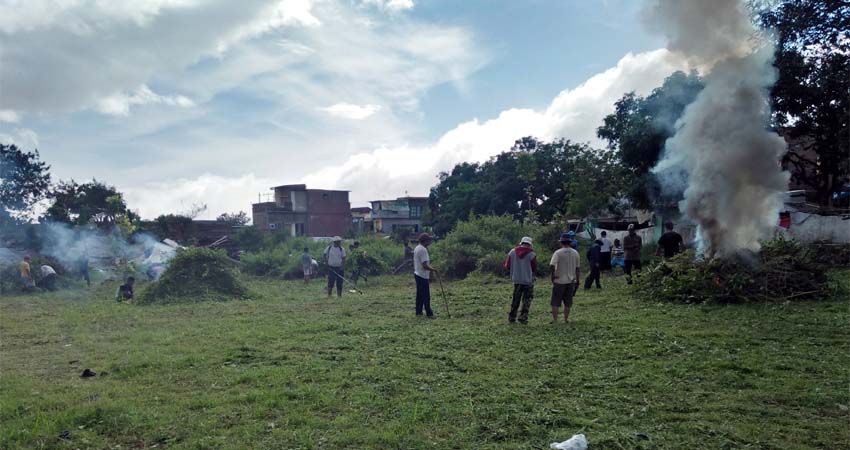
<point>522,264</point>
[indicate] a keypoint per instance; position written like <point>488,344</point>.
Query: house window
<point>415,211</point>
<point>299,229</point>
<point>272,226</point>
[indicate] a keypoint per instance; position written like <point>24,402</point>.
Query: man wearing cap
<point>522,264</point>
<point>335,259</point>
<point>565,275</point>
<point>422,274</point>
<point>632,244</point>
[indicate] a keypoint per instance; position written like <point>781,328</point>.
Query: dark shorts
<point>562,293</point>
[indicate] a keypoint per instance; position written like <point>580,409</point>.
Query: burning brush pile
<point>196,274</point>
<point>784,270</point>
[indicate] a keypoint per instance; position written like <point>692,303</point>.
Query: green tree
<point>811,97</point>
<point>89,203</point>
<point>639,127</point>
<point>24,180</point>
<point>239,218</point>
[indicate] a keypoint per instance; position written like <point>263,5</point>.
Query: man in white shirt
<point>422,274</point>
<point>565,275</point>
<point>335,259</point>
<point>605,252</point>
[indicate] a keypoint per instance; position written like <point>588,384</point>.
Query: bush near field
<point>482,243</point>
<point>196,274</point>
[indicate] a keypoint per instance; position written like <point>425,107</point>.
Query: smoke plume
<point>722,156</point>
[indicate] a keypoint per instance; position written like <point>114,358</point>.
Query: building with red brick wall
<point>304,212</point>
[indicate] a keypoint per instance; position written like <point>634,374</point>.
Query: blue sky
<point>178,102</point>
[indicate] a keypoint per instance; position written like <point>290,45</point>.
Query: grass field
<point>292,369</point>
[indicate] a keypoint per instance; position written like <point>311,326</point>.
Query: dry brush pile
<point>784,270</point>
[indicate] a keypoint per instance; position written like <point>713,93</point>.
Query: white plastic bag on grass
<point>577,442</point>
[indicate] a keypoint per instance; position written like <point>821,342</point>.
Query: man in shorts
<point>307,265</point>
<point>564,267</point>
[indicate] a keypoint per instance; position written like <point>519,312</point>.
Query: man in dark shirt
<point>594,256</point>
<point>670,242</point>
<point>125,291</point>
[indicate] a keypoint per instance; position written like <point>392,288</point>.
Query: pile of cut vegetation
<point>196,274</point>
<point>784,270</point>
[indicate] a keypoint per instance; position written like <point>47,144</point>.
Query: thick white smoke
<point>722,151</point>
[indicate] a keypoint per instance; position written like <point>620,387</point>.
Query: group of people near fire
<point>521,263</point>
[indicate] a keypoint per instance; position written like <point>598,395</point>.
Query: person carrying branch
<point>522,265</point>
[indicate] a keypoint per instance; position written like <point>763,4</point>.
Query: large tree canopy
<point>89,203</point>
<point>811,98</point>
<point>543,179</point>
<point>639,127</point>
<point>24,180</point>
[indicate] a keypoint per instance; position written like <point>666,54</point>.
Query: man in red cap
<point>422,274</point>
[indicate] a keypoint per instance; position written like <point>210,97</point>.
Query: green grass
<point>292,369</point>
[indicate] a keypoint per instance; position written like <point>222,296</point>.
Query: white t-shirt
<point>47,270</point>
<point>335,256</point>
<point>606,245</point>
<point>566,261</point>
<point>420,256</point>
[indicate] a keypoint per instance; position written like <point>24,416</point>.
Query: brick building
<point>304,212</point>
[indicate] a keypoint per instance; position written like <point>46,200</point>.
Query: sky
<point>186,102</point>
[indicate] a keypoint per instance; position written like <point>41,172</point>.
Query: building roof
<point>363,209</point>
<point>303,187</point>
<point>400,198</point>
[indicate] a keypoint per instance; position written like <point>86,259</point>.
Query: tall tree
<point>24,180</point>
<point>811,98</point>
<point>639,127</point>
<point>89,203</point>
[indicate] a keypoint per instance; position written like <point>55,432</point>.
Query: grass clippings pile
<point>784,270</point>
<point>196,274</point>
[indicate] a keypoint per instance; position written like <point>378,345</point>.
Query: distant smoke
<point>722,155</point>
<point>104,250</point>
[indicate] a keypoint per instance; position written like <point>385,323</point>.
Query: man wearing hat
<point>565,275</point>
<point>522,264</point>
<point>335,259</point>
<point>422,274</point>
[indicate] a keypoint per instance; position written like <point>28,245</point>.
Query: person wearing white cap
<point>522,264</point>
<point>335,259</point>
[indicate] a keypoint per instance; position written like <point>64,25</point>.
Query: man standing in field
<point>335,259</point>
<point>605,252</point>
<point>564,267</point>
<point>632,244</point>
<point>422,274</point>
<point>594,255</point>
<point>670,242</point>
<point>307,265</point>
<point>522,264</point>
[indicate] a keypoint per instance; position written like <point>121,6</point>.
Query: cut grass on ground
<point>292,369</point>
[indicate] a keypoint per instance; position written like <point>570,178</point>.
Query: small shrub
<point>462,250</point>
<point>196,274</point>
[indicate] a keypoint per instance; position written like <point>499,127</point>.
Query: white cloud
<point>103,47</point>
<point>24,138</point>
<point>391,5</point>
<point>119,104</point>
<point>353,112</point>
<point>9,116</point>
<point>574,114</point>
<point>221,194</point>
<point>392,170</point>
